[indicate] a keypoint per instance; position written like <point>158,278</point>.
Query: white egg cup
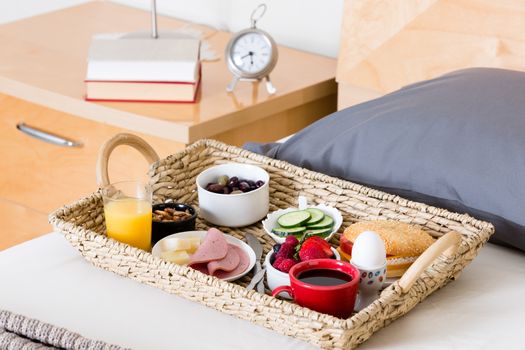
<point>369,256</point>
<point>370,283</point>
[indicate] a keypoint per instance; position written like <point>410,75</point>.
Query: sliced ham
<point>212,247</point>
<point>202,267</point>
<point>244,262</point>
<point>228,263</point>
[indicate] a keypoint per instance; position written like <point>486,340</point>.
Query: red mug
<point>337,300</point>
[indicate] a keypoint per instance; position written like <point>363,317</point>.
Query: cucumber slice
<point>322,232</point>
<point>283,232</point>
<point>327,222</point>
<point>294,218</point>
<point>316,216</point>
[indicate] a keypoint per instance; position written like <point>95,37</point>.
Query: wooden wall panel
<point>389,44</point>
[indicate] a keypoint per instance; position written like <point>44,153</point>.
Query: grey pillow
<point>456,142</point>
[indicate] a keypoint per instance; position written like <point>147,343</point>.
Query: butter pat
<point>180,257</point>
<point>189,244</point>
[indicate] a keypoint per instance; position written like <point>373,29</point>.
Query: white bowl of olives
<point>233,194</point>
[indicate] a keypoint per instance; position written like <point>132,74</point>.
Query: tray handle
<point>121,139</point>
<point>446,245</point>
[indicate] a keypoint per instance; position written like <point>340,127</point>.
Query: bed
<point>386,45</point>
<point>48,280</point>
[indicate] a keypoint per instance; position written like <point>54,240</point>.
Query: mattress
<point>48,280</point>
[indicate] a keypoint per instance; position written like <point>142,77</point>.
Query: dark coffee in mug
<point>325,285</point>
<point>324,277</point>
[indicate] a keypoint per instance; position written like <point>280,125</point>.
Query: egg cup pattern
<point>370,283</point>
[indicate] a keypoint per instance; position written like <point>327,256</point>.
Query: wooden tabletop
<point>44,60</point>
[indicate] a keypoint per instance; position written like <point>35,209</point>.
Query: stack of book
<point>153,70</point>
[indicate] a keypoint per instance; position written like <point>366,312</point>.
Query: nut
<point>171,215</point>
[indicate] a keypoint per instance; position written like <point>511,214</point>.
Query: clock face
<point>251,53</point>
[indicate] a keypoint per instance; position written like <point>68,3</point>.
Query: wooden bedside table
<point>44,61</point>
<point>38,177</point>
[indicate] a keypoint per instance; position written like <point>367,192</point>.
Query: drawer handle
<point>47,136</point>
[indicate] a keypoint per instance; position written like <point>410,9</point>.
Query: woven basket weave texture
<point>82,223</point>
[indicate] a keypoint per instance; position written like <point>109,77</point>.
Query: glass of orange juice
<point>127,210</point>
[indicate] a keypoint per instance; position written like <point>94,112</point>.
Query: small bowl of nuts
<point>169,218</point>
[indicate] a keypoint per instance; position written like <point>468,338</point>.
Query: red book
<point>142,91</point>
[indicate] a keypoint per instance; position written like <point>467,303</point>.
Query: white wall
<point>310,25</point>
<point>13,10</point>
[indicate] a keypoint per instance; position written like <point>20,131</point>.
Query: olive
<point>216,188</point>
<point>233,185</point>
<point>234,182</point>
<point>223,180</point>
<point>244,186</point>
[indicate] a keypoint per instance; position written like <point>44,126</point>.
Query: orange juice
<point>128,220</point>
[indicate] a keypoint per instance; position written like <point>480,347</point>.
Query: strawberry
<point>321,243</point>
<point>291,239</point>
<point>286,251</point>
<point>286,264</point>
<point>313,251</point>
<point>277,261</point>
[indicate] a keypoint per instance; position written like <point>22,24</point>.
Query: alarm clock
<point>251,54</point>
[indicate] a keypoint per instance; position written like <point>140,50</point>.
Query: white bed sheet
<point>47,279</point>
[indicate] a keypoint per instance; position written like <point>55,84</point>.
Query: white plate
<point>164,245</point>
<point>271,220</point>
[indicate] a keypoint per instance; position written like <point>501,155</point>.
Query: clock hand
<point>250,53</point>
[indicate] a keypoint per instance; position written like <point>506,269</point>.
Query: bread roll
<point>401,239</point>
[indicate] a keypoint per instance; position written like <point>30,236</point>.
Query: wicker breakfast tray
<point>82,223</point>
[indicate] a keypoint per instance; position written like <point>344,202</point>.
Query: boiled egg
<point>368,251</point>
